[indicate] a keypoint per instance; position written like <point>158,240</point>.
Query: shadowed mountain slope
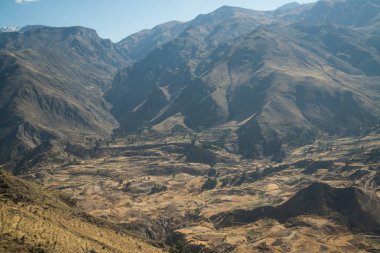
<point>278,78</point>
<point>172,66</point>
<point>359,210</point>
<point>271,80</point>
<point>52,83</point>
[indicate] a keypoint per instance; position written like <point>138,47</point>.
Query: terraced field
<point>157,188</point>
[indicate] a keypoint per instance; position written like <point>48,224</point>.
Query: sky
<point>116,19</point>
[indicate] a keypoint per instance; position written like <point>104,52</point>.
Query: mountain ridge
<point>350,204</point>
<point>47,74</point>
<point>331,57</point>
<point>234,66</point>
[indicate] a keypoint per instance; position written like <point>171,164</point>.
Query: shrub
<point>210,184</point>
<point>158,188</point>
<point>212,172</point>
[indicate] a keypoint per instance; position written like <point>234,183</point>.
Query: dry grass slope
<point>36,220</point>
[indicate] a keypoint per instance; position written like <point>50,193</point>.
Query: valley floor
<point>157,188</point>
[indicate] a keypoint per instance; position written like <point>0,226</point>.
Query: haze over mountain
<point>138,45</point>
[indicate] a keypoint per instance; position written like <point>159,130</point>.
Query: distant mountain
<point>358,210</point>
<point>138,45</point>
<point>52,83</point>
<point>279,81</point>
<point>277,78</point>
<point>8,29</point>
<point>291,12</point>
<point>172,66</point>
<point>353,13</point>
<point>31,27</point>
<point>288,6</point>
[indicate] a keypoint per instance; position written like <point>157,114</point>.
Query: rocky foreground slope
<point>33,219</point>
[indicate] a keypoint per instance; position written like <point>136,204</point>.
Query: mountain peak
<point>31,27</point>
<point>80,30</point>
<point>9,29</point>
<point>231,10</point>
<point>288,6</point>
<point>352,13</point>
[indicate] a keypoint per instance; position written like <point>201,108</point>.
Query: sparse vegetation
<point>260,196</point>
<point>240,131</point>
<point>126,186</point>
<point>253,235</point>
<point>374,155</point>
<point>179,248</point>
<point>212,172</point>
<point>39,215</point>
<point>210,184</point>
<point>158,187</point>
<point>200,155</point>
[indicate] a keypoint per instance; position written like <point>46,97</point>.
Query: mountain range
<point>273,75</point>
<point>237,131</point>
<point>52,83</point>
<point>275,78</point>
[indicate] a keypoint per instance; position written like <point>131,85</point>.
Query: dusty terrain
<point>33,219</point>
<point>156,187</point>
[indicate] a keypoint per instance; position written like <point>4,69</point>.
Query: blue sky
<point>115,19</point>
